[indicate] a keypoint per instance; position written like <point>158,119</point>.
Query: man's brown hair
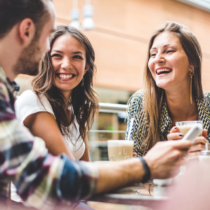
<point>14,11</point>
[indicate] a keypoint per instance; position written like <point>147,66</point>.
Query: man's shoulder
<point>4,92</point>
<point>5,87</point>
<point>6,100</point>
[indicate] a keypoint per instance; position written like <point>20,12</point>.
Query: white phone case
<point>193,133</point>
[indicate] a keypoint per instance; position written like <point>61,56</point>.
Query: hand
<point>175,134</point>
<point>165,158</point>
<point>134,154</point>
<point>198,145</point>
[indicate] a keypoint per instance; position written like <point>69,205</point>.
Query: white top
<point>28,103</point>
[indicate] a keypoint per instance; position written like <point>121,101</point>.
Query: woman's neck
<point>67,110</point>
<point>67,96</point>
<point>179,106</point>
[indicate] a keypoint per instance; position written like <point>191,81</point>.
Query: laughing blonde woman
<point>173,90</point>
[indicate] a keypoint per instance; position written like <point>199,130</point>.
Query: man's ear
<point>27,31</point>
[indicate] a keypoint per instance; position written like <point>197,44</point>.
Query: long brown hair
<point>154,95</point>
<point>83,98</point>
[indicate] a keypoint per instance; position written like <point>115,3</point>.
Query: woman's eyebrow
<point>78,52</point>
<point>57,51</point>
<point>164,46</point>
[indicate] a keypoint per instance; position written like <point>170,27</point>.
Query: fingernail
<point>180,134</point>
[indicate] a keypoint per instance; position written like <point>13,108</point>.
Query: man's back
<point>41,179</point>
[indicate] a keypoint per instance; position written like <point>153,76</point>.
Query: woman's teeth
<point>161,71</point>
<point>64,76</point>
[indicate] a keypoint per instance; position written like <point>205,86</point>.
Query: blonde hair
<point>154,96</point>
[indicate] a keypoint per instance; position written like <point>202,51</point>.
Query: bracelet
<point>147,174</point>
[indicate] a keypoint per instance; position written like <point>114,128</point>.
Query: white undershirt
<point>28,103</point>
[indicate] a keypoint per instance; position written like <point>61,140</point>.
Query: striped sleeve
<point>42,180</point>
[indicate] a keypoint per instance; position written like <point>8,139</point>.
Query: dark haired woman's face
<point>68,58</point>
<point>168,62</point>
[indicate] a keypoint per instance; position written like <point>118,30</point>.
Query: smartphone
<point>193,133</point>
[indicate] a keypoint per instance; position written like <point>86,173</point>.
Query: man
<point>43,180</point>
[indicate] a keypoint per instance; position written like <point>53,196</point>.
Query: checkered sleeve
<point>42,180</point>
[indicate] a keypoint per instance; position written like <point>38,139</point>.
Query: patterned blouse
<point>140,125</point>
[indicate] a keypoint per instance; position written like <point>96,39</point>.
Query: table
<point>130,197</point>
<point>142,200</point>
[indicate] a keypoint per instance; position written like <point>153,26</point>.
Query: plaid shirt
<point>42,180</point>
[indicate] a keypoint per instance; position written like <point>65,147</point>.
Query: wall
<point>121,36</point>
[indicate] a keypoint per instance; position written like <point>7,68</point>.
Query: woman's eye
<point>77,57</point>
<point>55,55</point>
<point>169,51</point>
<point>152,54</point>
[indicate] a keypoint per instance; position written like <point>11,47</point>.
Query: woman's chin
<point>163,85</point>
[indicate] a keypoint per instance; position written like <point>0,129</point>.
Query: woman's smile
<point>68,58</point>
<point>168,62</point>
<point>65,76</point>
<point>163,71</point>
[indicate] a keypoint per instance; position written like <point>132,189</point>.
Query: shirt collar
<point>12,86</point>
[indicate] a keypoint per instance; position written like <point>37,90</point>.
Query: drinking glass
<point>185,126</point>
<point>120,149</point>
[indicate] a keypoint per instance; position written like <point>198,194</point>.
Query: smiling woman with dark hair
<point>173,90</point>
<point>61,107</point>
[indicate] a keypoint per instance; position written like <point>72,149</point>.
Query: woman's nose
<point>159,58</point>
<point>66,63</point>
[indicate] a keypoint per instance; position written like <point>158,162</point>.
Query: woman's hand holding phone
<point>197,146</point>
